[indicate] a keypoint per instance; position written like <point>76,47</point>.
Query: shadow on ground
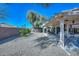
<point>44,42</point>
<point>5,40</point>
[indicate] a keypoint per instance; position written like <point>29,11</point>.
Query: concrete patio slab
<point>25,46</point>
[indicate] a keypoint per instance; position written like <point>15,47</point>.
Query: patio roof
<point>68,16</point>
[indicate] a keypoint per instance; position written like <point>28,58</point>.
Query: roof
<point>61,16</point>
<point>75,9</point>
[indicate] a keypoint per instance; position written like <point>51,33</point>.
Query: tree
<point>37,25</point>
<point>35,19</point>
<point>32,17</point>
<point>42,18</point>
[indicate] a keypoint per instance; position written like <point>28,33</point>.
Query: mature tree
<point>32,17</point>
<point>35,19</point>
<point>42,18</point>
<point>37,24</point>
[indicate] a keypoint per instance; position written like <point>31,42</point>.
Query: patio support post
<point>46,30</point>
<point>50,28</point>
<point>62,33</point>
<point>43,30</point>
<point>67,29</point>
<point>55,30</point>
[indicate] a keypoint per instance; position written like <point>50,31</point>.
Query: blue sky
<point>17,12</point>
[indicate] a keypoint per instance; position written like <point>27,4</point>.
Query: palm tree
<point>32,17</point>
<point>42,18</point>
<point>37,24</point>
<point>35,19</point>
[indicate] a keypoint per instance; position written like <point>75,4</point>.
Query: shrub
<point>24,32</point>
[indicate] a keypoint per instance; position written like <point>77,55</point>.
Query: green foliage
<point>24,32</point>
<point>32,17</point>
<point>35,19</point>
<point>42,18</point>
<point>37,25</point>
<point>39,21</point>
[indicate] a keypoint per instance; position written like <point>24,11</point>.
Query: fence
<point>6,32</point>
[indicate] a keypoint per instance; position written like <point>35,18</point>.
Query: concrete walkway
<point>25,46</point>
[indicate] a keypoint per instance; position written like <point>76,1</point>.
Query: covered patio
<point>65,24</point>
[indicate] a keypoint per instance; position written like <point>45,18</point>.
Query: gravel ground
<point>26,46</point>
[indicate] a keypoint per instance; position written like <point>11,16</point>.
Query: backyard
<point>33,31</point>
<point>30,46</point>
